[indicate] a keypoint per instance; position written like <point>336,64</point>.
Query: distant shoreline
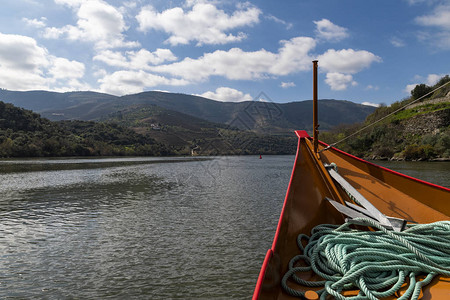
<point>438,159</point>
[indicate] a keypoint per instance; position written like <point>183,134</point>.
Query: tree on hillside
<point>420,90</point>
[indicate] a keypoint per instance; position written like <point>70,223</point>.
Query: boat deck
<point>394,194</point>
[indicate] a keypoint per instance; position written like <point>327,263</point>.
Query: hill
<point>187,124</point>
<point>420,131</point>
<point>41,101</point>
<point>263,117</point>
<point>134,131</point>
<point>186,134</point>
<point>25,134</point>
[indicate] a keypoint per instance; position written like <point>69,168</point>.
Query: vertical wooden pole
<point>315,109</point>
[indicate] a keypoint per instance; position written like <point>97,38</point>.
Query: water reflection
<point>38,164</point>
<point>186,229</point>
<point>152,229</point>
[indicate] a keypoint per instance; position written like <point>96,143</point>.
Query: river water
<point>144,228</point>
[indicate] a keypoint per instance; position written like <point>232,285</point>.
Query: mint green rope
<point>375,262</point>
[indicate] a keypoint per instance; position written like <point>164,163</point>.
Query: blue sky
<point>371,51</point>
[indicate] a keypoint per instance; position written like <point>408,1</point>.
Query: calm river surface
<point>144,228</point>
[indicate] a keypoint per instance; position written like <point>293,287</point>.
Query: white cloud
<point>328,31</point>
<point>371,87</point>
<point>32,2</point>
<point>293,56</point>
<point>21,53</point>
<point>130,4</point>
<point>397,42</point>
<point>432,79</point>
<point>440,19</point>
<point>287,84</point>
<point>71,3</point>
<point>129,82</point>
<point>53,33</point>
<point>412,2</point>
<point>112,58</point>
<point>204,23</point>
<point>71,85</point>
<point>22,63</point>
<point>347,60</point>
<point>191,3</point>
<point>279,21</point>
<point>428,2</point>
<point>339,81</point>
<point>340,64</point>
<point>135,60</point>
<point>35,22</point>
<point>409,88</point>
<point>25,65</point>
<point>237,64</point>
<point>64,68</point>
<point>371,104</point>
<point>227,94</point>
<point>100,73</point>
<point>98,22</point>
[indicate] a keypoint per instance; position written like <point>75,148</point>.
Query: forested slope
<point>420,131</point>
<point>25,134</point>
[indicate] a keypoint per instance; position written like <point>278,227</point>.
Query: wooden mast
<point>315,109</point>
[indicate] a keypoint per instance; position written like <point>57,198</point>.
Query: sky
<point>371,51</point>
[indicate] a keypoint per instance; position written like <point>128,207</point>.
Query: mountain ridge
<point>24,133</point>
<point>259,116</point>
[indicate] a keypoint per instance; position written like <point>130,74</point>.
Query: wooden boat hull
<point>394,194</point>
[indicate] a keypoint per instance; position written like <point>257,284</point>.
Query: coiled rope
<point>375,262</point>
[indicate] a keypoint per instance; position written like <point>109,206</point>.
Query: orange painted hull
<point>394,194</point>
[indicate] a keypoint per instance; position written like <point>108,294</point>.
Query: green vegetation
<point>421,132</point>
<point>186,135</point>
<point>238,142</point>
<point>25,134</point>
<point>160,124</point>
<point>172,124</point>
<point>138,130</point>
